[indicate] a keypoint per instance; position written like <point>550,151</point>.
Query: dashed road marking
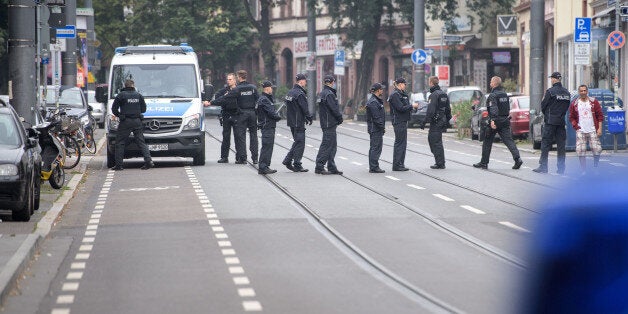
<point>416,187</point>
<point>393,178</point>
<point>343,158</point>
<point>617,164</point>
<point>513,226</point>
<point>443,197</point>
<point>473,209</point>
<point>356,163</point>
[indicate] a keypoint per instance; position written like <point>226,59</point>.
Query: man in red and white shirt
<point>585,115</point>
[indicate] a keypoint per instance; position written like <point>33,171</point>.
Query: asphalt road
<point>220,238</point>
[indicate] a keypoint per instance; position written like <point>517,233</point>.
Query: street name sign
<point>69,31</point>
<point>452,38</point>
<point>582,31</point>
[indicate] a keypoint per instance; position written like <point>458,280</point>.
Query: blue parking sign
<point>582,31</point>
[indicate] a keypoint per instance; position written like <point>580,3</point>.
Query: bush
<point>463,113</point>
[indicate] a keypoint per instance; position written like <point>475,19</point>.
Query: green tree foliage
<point>217,29</point>
<point>263,32</point>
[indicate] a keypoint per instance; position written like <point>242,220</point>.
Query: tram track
<point>433,303</point>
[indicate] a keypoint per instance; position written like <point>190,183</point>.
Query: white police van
<point>169,79</point>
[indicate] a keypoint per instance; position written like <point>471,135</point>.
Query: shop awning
<point>604,13</point>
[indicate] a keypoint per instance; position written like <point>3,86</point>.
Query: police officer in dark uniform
<point>330,118</point>
<point>439,114</point>
<point>498,108</point>
<point>375,121</point>
<point>298,115</point>
<point>228,115</point>
<point>400,111</point>
<point>554,107</point>
<point>129,106</point>
<point>267,118</point>
<point>245,95</point>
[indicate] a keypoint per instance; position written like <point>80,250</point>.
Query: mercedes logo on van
<point>153,125</point>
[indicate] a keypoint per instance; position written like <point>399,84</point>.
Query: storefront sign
<point>326,45</point>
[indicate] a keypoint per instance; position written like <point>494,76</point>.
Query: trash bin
<point>606,99</point>
<point>616,120</point>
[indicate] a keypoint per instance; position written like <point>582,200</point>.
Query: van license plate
<point>156,147</point>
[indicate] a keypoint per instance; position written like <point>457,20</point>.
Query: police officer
<point>438,114</point>
<point>128,107</point>
<point>228,114</point>
<point>267,119</point>
<point>498,108</point>
<point>245,95</point>
<point>330,118</point>
<point>554,107</point>
<point>375,121</point>
<point>400,110</point>
<point>298,115</point>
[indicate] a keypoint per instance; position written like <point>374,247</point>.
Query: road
<point>220,238</point>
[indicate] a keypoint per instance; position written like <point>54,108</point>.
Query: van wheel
<point>199,159</point>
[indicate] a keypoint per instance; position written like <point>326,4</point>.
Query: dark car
<point>20,166</point>
<point>72,99</point>
<point>417,116</point>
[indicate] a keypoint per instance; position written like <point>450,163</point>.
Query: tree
<point>263,29</point>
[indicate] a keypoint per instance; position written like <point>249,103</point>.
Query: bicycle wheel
<point>90,143</point>
<point>73,155</point>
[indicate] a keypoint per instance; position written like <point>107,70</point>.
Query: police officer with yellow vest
<point>498,108</point>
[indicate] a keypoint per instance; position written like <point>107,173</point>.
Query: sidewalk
<point>17,249</point>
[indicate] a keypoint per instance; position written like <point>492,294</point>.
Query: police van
<point>169,79</point>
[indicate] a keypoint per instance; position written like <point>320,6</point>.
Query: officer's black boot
<point>518,163</point>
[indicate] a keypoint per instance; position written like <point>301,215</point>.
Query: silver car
<point>100,112</point>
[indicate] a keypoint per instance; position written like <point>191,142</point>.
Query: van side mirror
<point>101,94</point>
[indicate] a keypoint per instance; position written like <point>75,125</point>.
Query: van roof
<point>161,49</point>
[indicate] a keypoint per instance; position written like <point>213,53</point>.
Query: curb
<point>19,261</point>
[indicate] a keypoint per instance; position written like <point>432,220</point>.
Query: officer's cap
<point>329,79</point>
<point>301,76</point>
<point>400,80</point>
<point>556,75</point>
<point>267,84</point>
<point>376,87</point>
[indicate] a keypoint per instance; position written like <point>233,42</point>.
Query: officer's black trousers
<point>552,133</point>
<point>327,150</point>
<point>401,142</point>
<point>125,128</point>
<point>228,124</point>
<point>266,153</point>
<point>375,151</point>
<point>503,129</point>
<point>435,139</point>
<point>246,120</point>
<point>298,146</point>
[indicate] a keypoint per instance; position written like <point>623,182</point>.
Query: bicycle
<point>66,131</point>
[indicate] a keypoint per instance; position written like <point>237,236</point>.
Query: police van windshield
<point>157,80</point>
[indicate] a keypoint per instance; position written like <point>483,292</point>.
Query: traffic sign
<point>419,56</point>
<point>616,39</point>
<point>429,51</point>
<point>582,54</point>
<point>452,38</point>
<point>69,31</point>
<point>339,62</point>
<point>582,32</point>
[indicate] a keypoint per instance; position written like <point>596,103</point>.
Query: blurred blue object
<point>580,249</point>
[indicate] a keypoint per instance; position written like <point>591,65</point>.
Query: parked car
<point>5,98</point>
<point>99,110</point>
<point>418,116</point>
<point>480,117</point>
<point>72,99</point>
<point>465,93</point>
<point>520,116</point>
<point>20,165</point>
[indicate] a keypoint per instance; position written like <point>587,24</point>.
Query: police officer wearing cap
<point>128,106</point>
<point>498,108</point>
<point>554,107</point>
<point>330,118</point>
<point>376,125</point>
<point>400,111</point>
<point>267,118</point>
<point>228,116</point>
<point>245,95</point>
<point>438,114</point>
<point>297,115</point>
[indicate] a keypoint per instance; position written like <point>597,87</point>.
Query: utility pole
<point>537,53</point>
<point>22,48</point>
<point>311,55</point>
<point>91,38</point>
<point>419,43</point>
<point>68,76</point>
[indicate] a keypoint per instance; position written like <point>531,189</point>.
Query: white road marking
<point>221,236</point>
<point>92,227</point>
<point>86,247</point>
<point>228,252</point>
<point>443,197</point>
<point>356,163</point>
<point>617,164</point>
<point>70,286</point>
<point>416,187</point>
<point>95,216</point>
<point>94,221</point>
<point>74,275</point>
<point>90,233</point>
<point>236,270</point>
<point>343,158</point>
<point>393,178</point>
<point>246,292</point>
<point>80,256</point>
<point>513,226</point>
<point>60,311</point>
<point>88,239</point>
<point>218,229</point>
<point>214,222</point>
<point>309,145</point>
<point>473,209</point>
<point>232,260</point>
<point>224,243</point>
<point>212,216</point>
<point>241,280</point>
<point>252,306</point>
<point>65,299</point>
<point>80,265</point>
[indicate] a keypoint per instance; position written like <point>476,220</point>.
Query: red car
<point>520,116</point>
